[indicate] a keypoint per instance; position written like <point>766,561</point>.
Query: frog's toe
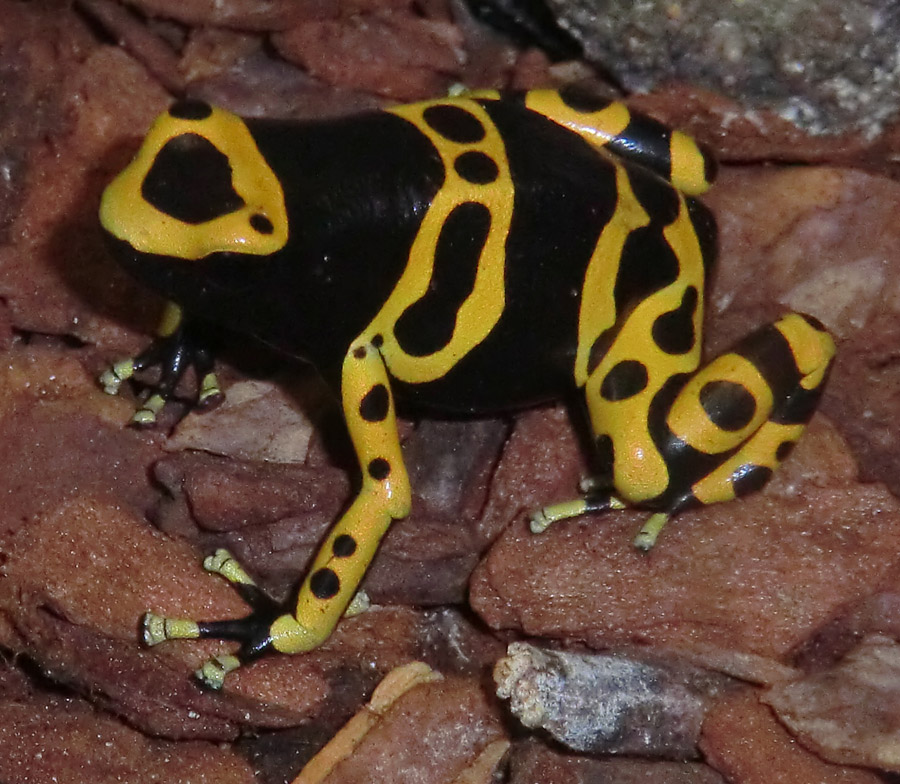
<point>591,503</point>
<point>359,604</point>
<point>212,673</point>
<point>210,394</point>
<point>157,628</point>
<point>146,415</point>
<point>223,563</point>
<point>543,518</point>
<point>115,375</point>
<point>650,531</point>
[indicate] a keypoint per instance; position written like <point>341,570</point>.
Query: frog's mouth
<point>219,282</point>
<point>167,275</point>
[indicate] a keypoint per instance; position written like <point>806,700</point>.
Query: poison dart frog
<point>471,254</point>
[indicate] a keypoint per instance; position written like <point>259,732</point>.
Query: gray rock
<point>827,66</point>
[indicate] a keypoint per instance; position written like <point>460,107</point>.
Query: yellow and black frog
<point>471,254</point>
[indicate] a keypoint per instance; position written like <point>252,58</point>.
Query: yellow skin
<point>627,280</point>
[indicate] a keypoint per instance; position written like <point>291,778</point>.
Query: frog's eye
<point>190,179</point>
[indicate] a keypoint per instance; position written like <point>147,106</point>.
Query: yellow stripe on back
<point>597,128</point>
<point>481,310</point>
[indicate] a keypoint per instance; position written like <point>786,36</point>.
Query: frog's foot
<point>650,531</point>
<point>252,631</point>
<point>173,354</point>
<point>594,501</point>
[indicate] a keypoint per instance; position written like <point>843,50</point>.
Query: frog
<point>466,255</point>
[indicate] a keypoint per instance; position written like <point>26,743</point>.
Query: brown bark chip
<point>47,739</point>
<point>75,610</point>
<point>54,274</point>
<point>850,713</point>
<point>756,575</point>
<point>534,763</point>
<point>743,740</point>
<point>433,733</point>
<point>402,57</point>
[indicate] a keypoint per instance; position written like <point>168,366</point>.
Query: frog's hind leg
<point>717,433</point>
<point>742,414</point>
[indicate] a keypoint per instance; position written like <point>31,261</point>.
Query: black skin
<point>353,217</point>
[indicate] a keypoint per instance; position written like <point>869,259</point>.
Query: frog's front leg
<point>385,496</point>
<point>342,560</point>
<point>173,351</point>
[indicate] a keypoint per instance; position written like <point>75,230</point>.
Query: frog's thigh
<point>626,374</point>
<point>750,406</point>
<point>626,382</point>
<point>350,546</point>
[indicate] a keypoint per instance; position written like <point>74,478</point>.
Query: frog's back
<point>488,245</point>
<point>583,243</point>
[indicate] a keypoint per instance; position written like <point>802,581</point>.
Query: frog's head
<point>197,187</point>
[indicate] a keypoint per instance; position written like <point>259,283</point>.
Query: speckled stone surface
<point>828,66</point>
